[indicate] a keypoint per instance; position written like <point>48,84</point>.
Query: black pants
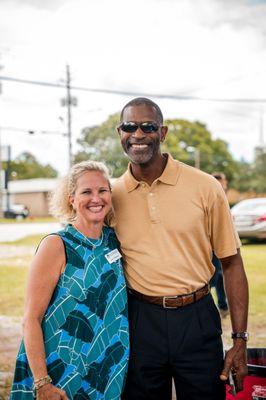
<point>183,344</point>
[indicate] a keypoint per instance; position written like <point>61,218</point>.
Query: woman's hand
<point>51,392</point>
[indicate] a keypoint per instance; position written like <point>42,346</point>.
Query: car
<point>250,218</point>
<point>17,211</point>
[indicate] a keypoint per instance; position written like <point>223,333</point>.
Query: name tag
<point>113,256</point>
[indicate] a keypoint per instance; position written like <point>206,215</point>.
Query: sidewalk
<point>11,232</point>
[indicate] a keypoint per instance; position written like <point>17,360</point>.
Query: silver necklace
<point>93,245</point>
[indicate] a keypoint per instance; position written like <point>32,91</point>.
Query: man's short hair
<point>143,101</point>
<point>219,175</point>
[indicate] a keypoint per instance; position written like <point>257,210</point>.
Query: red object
<point>260,219</point>
<point>245,394</point>
<point>256,375</point>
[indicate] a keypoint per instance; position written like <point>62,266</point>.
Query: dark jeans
<point>183,344</point>
<point>217,281</point>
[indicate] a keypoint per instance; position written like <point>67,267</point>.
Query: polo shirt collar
<point>130,182</point>
<point>169,175</point>
<point>171,172</point>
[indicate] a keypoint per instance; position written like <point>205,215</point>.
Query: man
<point>217,280</point>
<point>169,219</point>
<point>221,178</point>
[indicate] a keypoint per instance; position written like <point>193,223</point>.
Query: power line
<point>31,131</point>
<point>27,81</point>
<point>129,93</point>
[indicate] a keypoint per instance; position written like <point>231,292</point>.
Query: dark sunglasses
<point>146,127</point>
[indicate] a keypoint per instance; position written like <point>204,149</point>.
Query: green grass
<point>254,257</point>
<point>13,275</point>
<point>12,289</point>
<point>13,272</point>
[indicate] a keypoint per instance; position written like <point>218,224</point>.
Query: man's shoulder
<point>118,182</point>
<point>200,183</point>
<point>119,185</point>
<point>191,173</point>
<point>196,174</point>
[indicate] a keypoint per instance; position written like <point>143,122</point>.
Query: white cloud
<point>208,48</point>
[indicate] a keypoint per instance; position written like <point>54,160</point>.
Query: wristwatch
<point>240,335</point>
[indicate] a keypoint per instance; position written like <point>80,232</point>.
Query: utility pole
<point>196,153</point>
<point>68,102</point>
<point>69,121</point>
<point>7,176</point>
<point>261,128</point>
<point>1,180</point>
<point>197,158</point>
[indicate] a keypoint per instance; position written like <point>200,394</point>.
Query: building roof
<point>35,185</point>
<point>32,185</point>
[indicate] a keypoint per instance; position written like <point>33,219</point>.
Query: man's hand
<point>236,287</point>
<point>236,362</point>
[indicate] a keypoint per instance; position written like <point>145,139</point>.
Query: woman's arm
<point>45,270</point>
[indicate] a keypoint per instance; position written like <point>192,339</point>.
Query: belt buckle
<point>168,297</point>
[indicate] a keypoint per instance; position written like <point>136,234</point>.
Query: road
<point>11,232</point>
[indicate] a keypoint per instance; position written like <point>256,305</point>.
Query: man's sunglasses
<point>146,127</point>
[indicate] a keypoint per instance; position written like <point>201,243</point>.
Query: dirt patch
<point>10,336</point>
<point>7,251</point>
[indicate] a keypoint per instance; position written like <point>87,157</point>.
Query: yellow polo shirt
<point>168,230</point>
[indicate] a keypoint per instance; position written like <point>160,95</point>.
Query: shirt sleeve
<point>224,238</point>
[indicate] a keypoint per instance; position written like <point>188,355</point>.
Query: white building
<point>33,193</point>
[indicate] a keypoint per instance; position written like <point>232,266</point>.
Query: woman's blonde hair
<point>60,206</point>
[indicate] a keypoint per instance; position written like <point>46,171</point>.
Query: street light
<point>196,152</point>
<point>6,157</point>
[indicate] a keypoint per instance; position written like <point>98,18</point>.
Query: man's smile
<point>139,146</point>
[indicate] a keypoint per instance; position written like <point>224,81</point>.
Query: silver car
<point>250,218</point>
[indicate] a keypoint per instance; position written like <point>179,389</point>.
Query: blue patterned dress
<point>85,327</point>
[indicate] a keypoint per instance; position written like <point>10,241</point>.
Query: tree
<point>26,166</point>
<point>259,181</point>
<point>187,140</point>
<point>102,143</point>
<point>243,179</point>
<point>251,177</point>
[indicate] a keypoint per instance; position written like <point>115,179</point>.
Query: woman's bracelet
<point>38,383</point>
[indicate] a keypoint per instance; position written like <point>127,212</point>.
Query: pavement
<point>11,232</point>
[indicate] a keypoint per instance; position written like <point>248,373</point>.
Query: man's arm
<point>236,287</point>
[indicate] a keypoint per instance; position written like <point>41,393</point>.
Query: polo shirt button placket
<point>152,207</point>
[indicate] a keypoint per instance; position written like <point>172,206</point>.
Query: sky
<point>204,49</point>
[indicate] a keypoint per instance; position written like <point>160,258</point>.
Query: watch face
<point>240,335</point>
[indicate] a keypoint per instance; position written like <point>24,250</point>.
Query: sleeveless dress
<point>85,327</point>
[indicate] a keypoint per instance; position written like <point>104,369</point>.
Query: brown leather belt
<point>172,301</point>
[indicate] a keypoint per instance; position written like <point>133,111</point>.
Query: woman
<point>75,325</point>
